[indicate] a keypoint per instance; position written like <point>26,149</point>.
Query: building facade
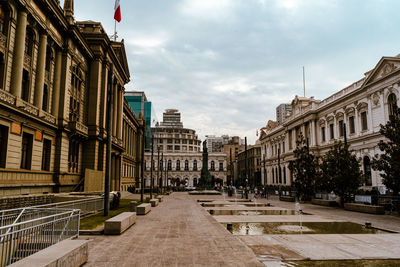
<point>53,99</point>
<point>362,107</point>
<point>177,151</point>
<point>253,175</point>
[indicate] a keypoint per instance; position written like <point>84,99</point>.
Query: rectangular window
<point>46,153</point>
<point>221,166</point>
<point>283,147</point>
<point>184,141</point>
<point>169,147</point>
<point>177,148</point>
<point>364,123</point>
<point>323,137</point>
<point>290,140</point>
<point>351,122</point>
<point>169,141</point>
<point>177,141</point>
<point>3,145</point>
<point>341,129</point>
<point>331,131</point>
<point>26,152</point>
<point>160,141</point>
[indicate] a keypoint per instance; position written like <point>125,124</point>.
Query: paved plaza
<point>180,232</point>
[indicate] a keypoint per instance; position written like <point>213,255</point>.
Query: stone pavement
<point>179,232</point>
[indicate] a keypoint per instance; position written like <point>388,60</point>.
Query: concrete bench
<point>65,253</point>
<point>286,198</point>
<point>133,206</point>
<point>364,208</point>
<point>154,202</point>
<point>324,202</point>
<point>143,209</point>
<point>160,198</point>
<point>118,224</point>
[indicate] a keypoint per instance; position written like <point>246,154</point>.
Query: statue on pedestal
<point>205,181</point>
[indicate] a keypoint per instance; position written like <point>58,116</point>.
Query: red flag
<point>117,11</point>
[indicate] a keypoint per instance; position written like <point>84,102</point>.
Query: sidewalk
<point>179,232</point>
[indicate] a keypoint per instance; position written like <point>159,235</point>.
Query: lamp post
<point>142,158</point>
<point>108,144</point>
<point>151,167</point>
<point>158,169</point>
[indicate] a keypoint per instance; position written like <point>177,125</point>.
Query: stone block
<point>154,202</point>
<point>118,224</point>
<point>286,198</point>
<point>160,198</point>
<point>364,208</point>
<point>69,252</point>
<point>324,202</point>
<point>133,206</point>
<point>143,209</point>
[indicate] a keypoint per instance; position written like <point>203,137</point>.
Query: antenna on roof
<point>304,82</point>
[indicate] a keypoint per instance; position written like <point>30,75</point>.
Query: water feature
<point>268,228</point>
<point>299,211</point>
<point>255,212</point>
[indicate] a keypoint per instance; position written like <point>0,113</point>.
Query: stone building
<point>53,97</point>
<point>253,174</point>
<point>362,107</point>
<point>180,155</point>
<point>232,150</point>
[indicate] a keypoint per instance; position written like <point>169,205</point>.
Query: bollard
<point>212,212</point>
<point>133,206</point>
<point>229,226</point>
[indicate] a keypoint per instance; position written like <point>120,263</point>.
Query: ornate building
<point>180,155</point>
<point>53,99</point>
<point>362,107</point>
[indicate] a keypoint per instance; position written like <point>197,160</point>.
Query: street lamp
<point>151,167</point>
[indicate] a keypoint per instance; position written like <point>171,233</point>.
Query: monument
<point>205,177</point>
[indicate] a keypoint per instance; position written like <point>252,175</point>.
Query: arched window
<point>186,165</point>
<point>178,165</point>
<point>48,58</point>
<point>392,103</point>
<point>169,165</point>
<point>367,171</point>
<point>212,166</point>
<point>45,97</point>
<point>195,165</point>
<point>194,181</point>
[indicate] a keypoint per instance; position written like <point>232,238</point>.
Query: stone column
<point>115,111</point>
<point>56,84</point>
<point>369,115</point>
<point>18,59</point>
<point>119,114</point>
<point>40,71</point>
<point>356,122</point>
<point>313,133</point>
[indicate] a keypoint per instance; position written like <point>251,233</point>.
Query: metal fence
<point>391,203</point>
<point>87,205</point>
<point>26,231</point>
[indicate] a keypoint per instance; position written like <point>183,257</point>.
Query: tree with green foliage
<point>341,171</point>
<point>388,163</point>
<point>305,169</point>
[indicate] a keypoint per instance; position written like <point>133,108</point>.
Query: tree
<point>305,169</point>
<point>341,171</point>
<point>388,163</point>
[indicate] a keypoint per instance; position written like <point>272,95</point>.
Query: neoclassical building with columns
<point>177,151</point>
<point>361,107</point>
<point>53,99</point>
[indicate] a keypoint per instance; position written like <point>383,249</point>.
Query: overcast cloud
<point>227,64</point>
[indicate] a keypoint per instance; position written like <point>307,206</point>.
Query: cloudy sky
<point>227,64</point>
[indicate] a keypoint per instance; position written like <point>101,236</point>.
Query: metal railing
<point>26,231</point>
<point>87,205</point>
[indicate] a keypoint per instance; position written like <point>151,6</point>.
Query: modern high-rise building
<point>216,143</point>
<point>137,100</point>
<point>281,111</point>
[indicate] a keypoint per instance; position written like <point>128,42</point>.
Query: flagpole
<point>115,30</point>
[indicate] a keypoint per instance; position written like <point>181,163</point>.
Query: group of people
<point>245,191</point>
